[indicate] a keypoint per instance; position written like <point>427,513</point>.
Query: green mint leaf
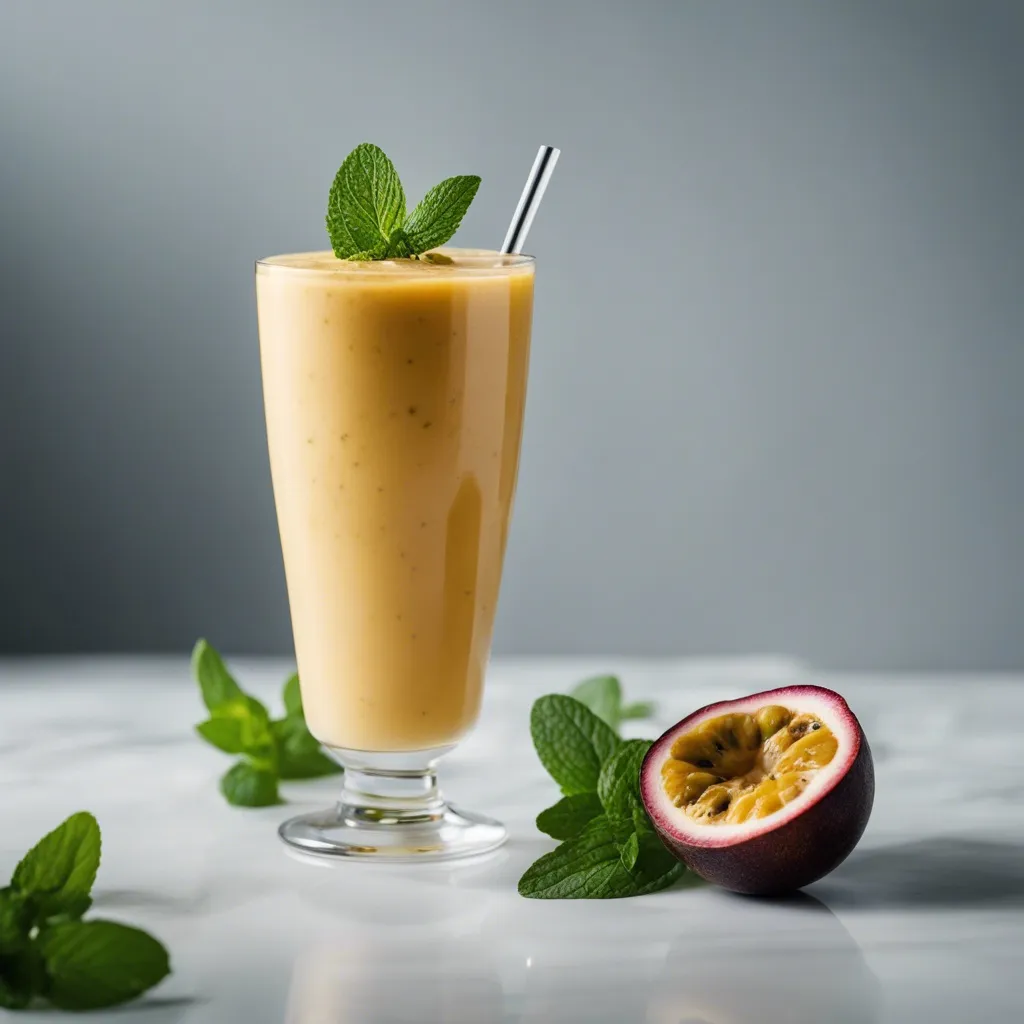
<point>571,741</point>
<point>59,871</point>
<point>313,765</point>
<point>591,867</point>
<point>603,695</point>
<point>292,696</point>
<point>570,815</point>
<point>216,682</point>
<point>618,785</point>
<point>248,785</point>
<point>299,755</point>
<point>238,724</point>
<point>639,709</point>
<point>641,823</point>
<point>241,726</point>
<point>93,964</point>
<point>629,852</point>
<point>223,733</point>
<point>578,869</point>
<point>366,204</point>
<point>656,867</point>
<point>439,213</point>
<point>22,977</point>
<point>16,919</point>
<point>255,723</point>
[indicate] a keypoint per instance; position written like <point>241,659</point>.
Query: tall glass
<point>394,395</point>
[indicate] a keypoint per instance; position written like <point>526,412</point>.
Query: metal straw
<point>540,175</point>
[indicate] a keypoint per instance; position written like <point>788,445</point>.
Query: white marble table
<point>925,922</point>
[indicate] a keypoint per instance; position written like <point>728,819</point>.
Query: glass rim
<point>470,261</point>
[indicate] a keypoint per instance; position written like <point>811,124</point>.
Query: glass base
<point>391,810</point>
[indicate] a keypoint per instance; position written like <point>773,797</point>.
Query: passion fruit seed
<point>771,719</point>
<point>713,803</point>
<point>811,752</point>
<point>758,763</point>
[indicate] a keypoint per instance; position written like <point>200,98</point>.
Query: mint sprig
<point>366,212</point>
<point>610,849</point>
<point>270,749</point>
<point>47,953</point>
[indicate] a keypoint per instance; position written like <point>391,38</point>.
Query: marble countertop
<point>924,922</point>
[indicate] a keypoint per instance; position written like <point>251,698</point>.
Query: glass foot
<point>390,810</point>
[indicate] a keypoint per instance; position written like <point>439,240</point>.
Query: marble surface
<point>924,922</point>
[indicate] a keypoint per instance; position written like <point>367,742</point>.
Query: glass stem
<point>390,789</point>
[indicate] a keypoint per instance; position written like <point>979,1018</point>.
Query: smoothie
<point>394,396</point>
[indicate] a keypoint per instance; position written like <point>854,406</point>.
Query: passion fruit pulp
<point>764,794</point>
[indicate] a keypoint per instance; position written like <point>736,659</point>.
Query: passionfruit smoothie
<point>394,394</point>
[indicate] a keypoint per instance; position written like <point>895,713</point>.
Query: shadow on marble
<point>154,1010</point>
<point>947,871</point>
<point>116,899</point>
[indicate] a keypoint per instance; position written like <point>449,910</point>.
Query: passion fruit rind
<point>786,849</point>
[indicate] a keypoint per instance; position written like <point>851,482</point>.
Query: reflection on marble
<point>924,922</point>
<point>779,962</point>
<point>373,976</point>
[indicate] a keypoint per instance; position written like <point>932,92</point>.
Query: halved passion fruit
<point>764,794</point>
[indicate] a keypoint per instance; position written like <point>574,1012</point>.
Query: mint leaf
<point>639,709</point>
<point>59,871</point>
<point>22,977</point>
<point>216,682</point>
<point>223,733</point>
<point>618,785</point>
<point>299,755</point>
<point>242,726</point>
<point>292,696</point>
<point>239,723</point>
<point>591,867</point>
<point>255,725</point>
<point>439,213</point>
<point>366,204</point>
<point>570,815</point>
<point>15,920</point>
<point>93,964</point>
<point>578,869</point>
<point>247,785</point>
<point>571,741</point>
<point>641,823</point>
<point>603,695</point>
<point>654,863</point>
<point>629,852</point>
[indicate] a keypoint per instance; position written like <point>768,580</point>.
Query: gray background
<point>776,389</point>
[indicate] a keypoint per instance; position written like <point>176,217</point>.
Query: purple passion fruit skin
<point>783,849</point>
